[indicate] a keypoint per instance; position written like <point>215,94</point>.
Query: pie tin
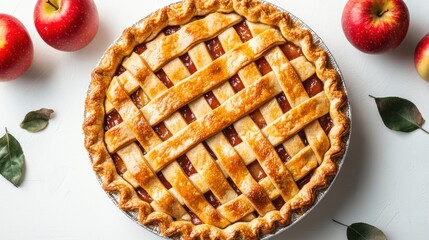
<point>319,194</point>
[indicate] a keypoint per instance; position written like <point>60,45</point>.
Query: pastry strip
<point>297,118</point>
<point>118,136</point>
<point>236,209</point>
<point>302,163</point>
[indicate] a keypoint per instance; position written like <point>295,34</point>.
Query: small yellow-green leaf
<point>11,159</point>
<point>399,114</point>
<point>36,121</point>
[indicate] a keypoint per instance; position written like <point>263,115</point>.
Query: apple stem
<point>380,14</point>
<point>53,5</point>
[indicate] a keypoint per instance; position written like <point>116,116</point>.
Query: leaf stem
<point>424,130</point>
<point>340,223</point>
<point>372,96</point>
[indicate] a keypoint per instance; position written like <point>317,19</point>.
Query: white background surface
<point>384,180</point>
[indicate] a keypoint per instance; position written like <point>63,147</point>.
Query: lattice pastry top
<point>215,119</point>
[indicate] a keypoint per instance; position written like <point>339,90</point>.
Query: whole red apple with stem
<point>67,25</point>
<point>16,48</point>
<point>375,26</point>
<point>421,57</point>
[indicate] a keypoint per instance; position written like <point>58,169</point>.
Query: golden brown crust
<point>181,13</point>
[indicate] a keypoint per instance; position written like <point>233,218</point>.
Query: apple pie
<point>215,119</point>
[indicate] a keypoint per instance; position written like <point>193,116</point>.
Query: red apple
<point>375,26</point>
<point>16,48</point>
<point>421,57</point>
<point>67,25</point>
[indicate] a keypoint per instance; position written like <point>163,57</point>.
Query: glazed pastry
<point>215,119</point>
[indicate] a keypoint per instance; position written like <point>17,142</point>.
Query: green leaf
<point>399,114</point>
<point>11,159</point>
<point>36,121</point>
<point>363,231</point>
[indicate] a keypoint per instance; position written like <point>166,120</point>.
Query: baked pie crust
<point>189,101</point>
